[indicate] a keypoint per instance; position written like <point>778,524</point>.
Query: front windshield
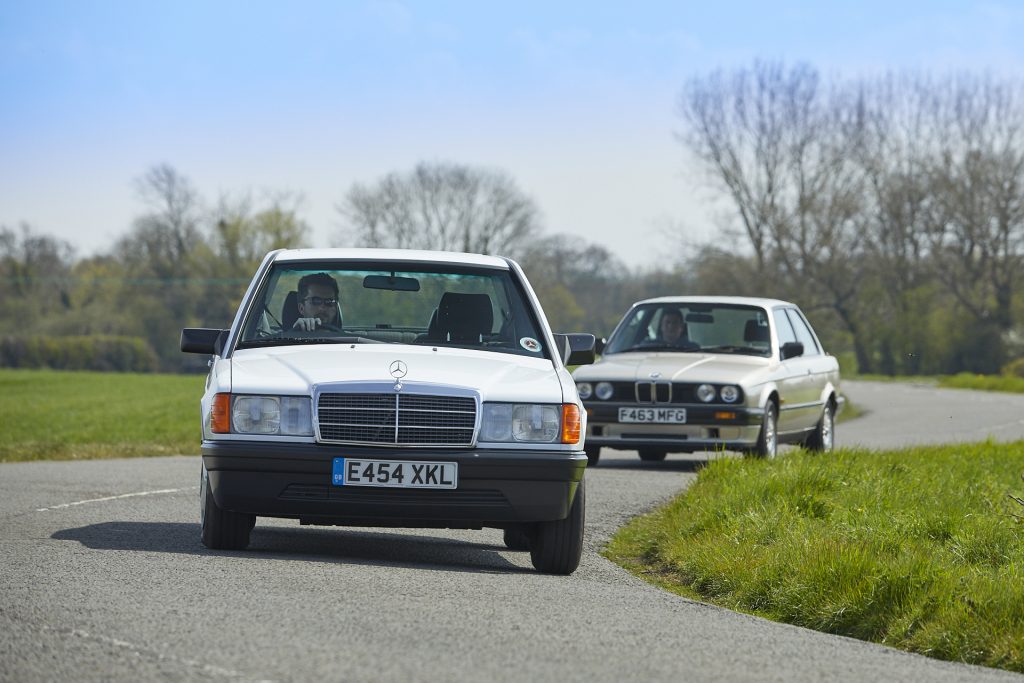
<point>443,305</point>
<point>693,328</point>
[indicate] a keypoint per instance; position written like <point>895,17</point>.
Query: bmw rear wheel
<point>822,440</point>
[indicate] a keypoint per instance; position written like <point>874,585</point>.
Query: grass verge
<point>921,549</point>
<point>57,415</point>
<point>966,380</point>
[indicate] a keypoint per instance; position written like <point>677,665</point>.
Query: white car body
<point>290,414</point>
<point>801,391</point>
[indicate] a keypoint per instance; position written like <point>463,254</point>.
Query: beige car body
<point>802,392</point>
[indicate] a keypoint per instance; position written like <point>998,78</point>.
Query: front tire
<point>593,455</point>
<point>768,440</point>
<point>823,438</point>
<point>558,545</point>
<point>222,529</point>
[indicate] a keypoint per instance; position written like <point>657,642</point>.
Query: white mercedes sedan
<point>684,374</point>
<point>374,387</point>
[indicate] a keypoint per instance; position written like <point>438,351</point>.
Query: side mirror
<point>203,340</point>
<point>792,350</point>
<point>577,348</point>
<point>599,345</point>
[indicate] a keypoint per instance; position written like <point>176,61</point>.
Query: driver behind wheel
<point>672,330</point>
<point>318,303</point>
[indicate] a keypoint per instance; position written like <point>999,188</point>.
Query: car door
<point>811,362</point>
<point>797,407</point>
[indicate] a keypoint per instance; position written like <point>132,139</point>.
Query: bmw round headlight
<point>604,390</point>
<point>584,389</point>
<point>730,393</point>
<point>706,393</point>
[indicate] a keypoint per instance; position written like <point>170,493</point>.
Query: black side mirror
<point>576,348</point>
<point>203,340</point>
<point>599,345</point>
<point>792,350</point>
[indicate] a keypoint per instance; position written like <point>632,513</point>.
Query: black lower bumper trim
<point>294,480</point>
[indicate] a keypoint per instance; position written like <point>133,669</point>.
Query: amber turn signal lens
<point>570,423</point>
<point>725,416</point>
<point>220,416</point>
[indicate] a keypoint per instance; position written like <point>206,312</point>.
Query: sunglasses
<point>319,301</point>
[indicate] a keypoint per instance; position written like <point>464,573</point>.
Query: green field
<point>54,415</point>
<point>920,549</point>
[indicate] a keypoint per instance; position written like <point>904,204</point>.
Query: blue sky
<point>576,101</point>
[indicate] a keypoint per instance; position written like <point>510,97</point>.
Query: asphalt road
<point>103,578</point>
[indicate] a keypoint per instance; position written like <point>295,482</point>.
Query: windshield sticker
<point>530,344</point>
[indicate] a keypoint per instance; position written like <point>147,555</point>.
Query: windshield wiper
<point>732,348</point>
<point>660,347</point>
<point>288,341</point>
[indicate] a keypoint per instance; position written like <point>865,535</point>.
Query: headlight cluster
<point>266,415</point>
<point>728,393</point>
<point>706,393</point>
<point>603,390</point>
<point>530,423</point>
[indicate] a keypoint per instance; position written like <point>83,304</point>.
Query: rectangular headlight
<point>286,415</point>
<point>521,422</point>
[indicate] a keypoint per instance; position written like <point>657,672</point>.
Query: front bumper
<point>706,428</point>
<point>495,487</point>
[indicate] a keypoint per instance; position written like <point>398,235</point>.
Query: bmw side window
<point>803,334</point>
<point>782,327</point>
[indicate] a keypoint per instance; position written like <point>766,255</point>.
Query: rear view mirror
<point>599,345</point>
<point>792,350</point>
<point>700,318</point>
<point>203,340</point>
<point>398,284</point>
<point>576,349</point>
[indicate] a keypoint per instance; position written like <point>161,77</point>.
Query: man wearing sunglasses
<point>318,303</point>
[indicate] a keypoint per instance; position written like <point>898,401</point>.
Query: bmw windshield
<point>693,328</point>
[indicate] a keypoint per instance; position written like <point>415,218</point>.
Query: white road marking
<point>145,651</point>
<point>123,495</point>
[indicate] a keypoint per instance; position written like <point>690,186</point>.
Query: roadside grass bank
<point>966,380</point>
<point>919,549</point>
<point>65,415</point>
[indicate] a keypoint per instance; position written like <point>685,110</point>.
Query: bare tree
<point>976,226</point>
<point>163,240</point>
<point>441,206</point>
<point>736,125</point>
<point>780,145</point>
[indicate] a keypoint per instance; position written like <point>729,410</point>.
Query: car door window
<point>803,333</point>
<point>783,328</point>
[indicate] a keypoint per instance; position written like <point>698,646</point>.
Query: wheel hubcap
<point>826,430</point>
